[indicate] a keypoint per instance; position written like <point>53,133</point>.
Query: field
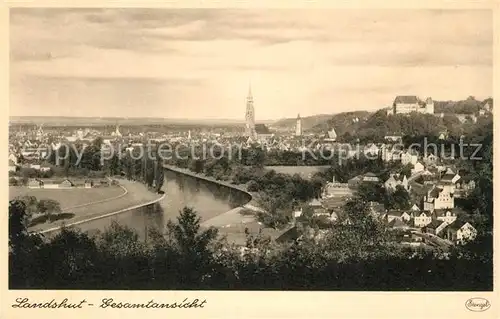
<point>303,171</point>
<point>88,203</point>
<point>69,197</point>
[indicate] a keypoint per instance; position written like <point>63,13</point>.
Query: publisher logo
<point>477,304</point>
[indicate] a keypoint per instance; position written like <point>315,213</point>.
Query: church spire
<point>249,89</point>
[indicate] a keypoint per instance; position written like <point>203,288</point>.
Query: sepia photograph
<point>250,150</point>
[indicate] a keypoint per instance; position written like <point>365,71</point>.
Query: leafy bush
<point>188,257</point>
<point>253,186</point>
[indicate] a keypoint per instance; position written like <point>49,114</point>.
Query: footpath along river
<point>207,198</point>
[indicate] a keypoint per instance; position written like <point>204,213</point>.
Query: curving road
<point>136,195</point>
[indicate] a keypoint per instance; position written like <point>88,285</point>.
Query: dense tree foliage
<point>373,127</point>
<point>354,256</point>
<point>467,106</point>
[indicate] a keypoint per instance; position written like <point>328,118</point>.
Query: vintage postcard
<point>307,160</point>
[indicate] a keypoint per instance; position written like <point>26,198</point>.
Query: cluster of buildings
<point>66,183</point>
<point>432,189</point>
<point>406,104</point>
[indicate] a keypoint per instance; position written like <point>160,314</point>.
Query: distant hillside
<point>468,106</point>
<point>373,126</point>
<point>379,124</point>
<point>98,121</point>
<point>343,122</point>
<point>308,122</point>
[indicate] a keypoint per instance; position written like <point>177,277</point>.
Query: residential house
<point>417,168</point>
<point>385,154</point>
<point>396,156</point>
<point>88,184</point>
<point>13,158</point>
<point>423,219</point>
<point>34,183</point>
<point>55,146</point>
<point>332,135</point>
<point>45,167</point>
<point>332,215</point>
<point>427,180</point>
<point>441,168</point>
<point>431,159</point>
<point>376,209</point>
<point>297,213</point>
<point>390,155</point>
<point>345,220</point>
<point>370,177</point>
<point>371,149</point>
<point>317,207</point>
<point>66,184</point>
<point>398,224</point>
<point>408,158</point>
<point>334,189</point>
<point>405,183</point>
<point>48,183</point>
<point>446,215</point>
<point>443,135</point>
<point>415,208</point>
<point>394,138</point>
<point>411,239</point>
<point>427,172</point>
<point>464,185</point>
<point>447,186</point>
<point>12,166</point>
<point>460,232</point>
<point>393,182</point>
<point>406,216</point>
<point>352,153</point>
<point>435,227</point>
<point>487,107</point>
<point>355,181</point>
<point>392,215</point>
<point>450,177</point>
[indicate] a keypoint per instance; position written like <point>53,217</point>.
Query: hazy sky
<point>198,63</point>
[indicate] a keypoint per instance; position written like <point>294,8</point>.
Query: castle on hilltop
<point>411,103</point>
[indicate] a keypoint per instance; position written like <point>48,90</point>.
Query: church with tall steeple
<point>250,115</point>
<point>117,133</point>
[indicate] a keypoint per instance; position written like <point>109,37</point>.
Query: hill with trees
<point>307,122</point>
<point>468,106</point>
<point>343,122</point>
<point>377,125</point>
<point>373,126</point>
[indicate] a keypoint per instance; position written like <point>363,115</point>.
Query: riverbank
<point>70,198</point>
<point>136,195</point>
<point>233,223</point>
<point>251,204</point>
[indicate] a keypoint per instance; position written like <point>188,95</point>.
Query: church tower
<point>429,106</point>
<point>117,131</point>
<point>250,115</point>
<point>298,126</point>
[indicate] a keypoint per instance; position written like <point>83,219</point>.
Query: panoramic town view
<point>251,150</point>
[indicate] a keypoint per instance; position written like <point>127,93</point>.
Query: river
<point>207,198</point>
